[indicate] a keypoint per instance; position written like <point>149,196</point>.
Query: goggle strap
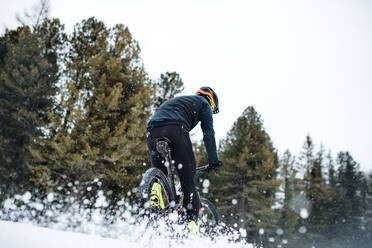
<point>213,104</point>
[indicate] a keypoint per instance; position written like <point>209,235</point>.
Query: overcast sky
<point>306,66</point>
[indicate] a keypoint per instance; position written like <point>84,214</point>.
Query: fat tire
<point>212,209</point>
<point>149,177</point>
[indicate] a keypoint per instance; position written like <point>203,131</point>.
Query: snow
<point>19,235</point>
<point>57,221</point>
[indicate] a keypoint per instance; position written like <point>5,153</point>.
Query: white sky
<point>306,66</point>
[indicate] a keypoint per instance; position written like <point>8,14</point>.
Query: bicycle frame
<point>171,170</point>
<point>171,174</point>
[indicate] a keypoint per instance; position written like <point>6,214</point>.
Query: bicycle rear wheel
<point>208,216</point>
<point>151,176</point>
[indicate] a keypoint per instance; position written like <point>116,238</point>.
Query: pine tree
<point>331,171</point>
<point>363,191</point>
<point>291,189</point>
<point>320,196</point>
<point>328,211</point>
<point>316,195</point>
<point>28,84</point>
<point>106,102</point>
<point>307,160</point>
<point>168,86</point>
<point>248,178</point>
<point>351,198</point>
<point>368,214</point>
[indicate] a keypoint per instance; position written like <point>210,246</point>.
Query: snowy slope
<point>19,235</point>
<point>56,222</point>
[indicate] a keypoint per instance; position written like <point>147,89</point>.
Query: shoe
<point>194,230</point>
<point>156,196</point>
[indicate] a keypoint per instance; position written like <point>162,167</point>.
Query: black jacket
<point>187,111</point>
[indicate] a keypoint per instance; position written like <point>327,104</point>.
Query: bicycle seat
<point>163,146</point>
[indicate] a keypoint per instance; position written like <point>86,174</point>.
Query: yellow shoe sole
<point>156,196</point>
<point>194,230</point>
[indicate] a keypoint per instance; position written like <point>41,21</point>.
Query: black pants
<point>183,156</point>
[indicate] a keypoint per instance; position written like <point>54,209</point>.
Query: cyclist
<point>174,119</point>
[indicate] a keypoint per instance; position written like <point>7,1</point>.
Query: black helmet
<point>211,96</point>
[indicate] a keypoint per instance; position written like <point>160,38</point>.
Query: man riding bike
<point>174,119</point>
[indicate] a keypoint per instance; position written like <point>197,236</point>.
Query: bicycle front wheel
<point>208,216</point>
<point>151,177</point>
